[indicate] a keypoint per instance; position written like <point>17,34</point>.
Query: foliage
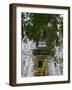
<point>43,27</point>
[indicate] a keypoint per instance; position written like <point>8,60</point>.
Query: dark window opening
<point>40,64</point>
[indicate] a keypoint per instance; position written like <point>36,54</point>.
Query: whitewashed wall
<point>27,62</point>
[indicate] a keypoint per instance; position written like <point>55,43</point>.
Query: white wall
<point>4,45</point>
